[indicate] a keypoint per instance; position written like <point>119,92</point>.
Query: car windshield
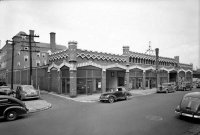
<point>5,88</point>
<point>165,84</point>
<point>28,87</point>
<point>191,98</point>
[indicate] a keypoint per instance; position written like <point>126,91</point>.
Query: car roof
<point>167,83</point>
<point>8,97</point>
<point>4,87</point>
<point>193,94</point>
<point>24,85</point>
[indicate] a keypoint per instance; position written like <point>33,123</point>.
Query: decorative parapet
<point>100,56</point>
<point>59,55</point>
<point>151,57</point>
<point>190,66</point>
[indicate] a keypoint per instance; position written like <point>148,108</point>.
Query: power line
<point>31,40</point>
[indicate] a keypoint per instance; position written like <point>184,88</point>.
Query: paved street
<point>142,115</point>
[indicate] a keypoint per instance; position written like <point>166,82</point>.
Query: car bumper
<point>30,97</point>
<point>161,91</point>
<point>187,115</point>
<point>103,99</point>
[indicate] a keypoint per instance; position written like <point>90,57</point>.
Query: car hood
<point>189,106</point>
<point>107,93</point>
<point>30,91</point>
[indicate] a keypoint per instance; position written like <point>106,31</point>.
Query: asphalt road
<point>144,115</point>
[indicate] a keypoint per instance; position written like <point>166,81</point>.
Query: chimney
<point>72,45</point>
<point>176,58</point>
<point>53,41</point>
<point>125,50</point>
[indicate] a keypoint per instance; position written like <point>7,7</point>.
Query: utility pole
<point>31,40</point>
<point>12,63</point>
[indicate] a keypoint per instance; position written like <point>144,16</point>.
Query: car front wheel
<point>11,115</point>
<point>111,99</point>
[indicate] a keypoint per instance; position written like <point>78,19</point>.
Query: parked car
<point>166,87</point>
<point>11,108</point>
<point>117,94</point>
<point>3,84</point>
<point>185,86</point>
<point>27,92</point>
<point>6,90</point>
<point>189,105</point>
<point>198,85</point>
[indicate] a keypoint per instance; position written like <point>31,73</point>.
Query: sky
<point>108,25</point>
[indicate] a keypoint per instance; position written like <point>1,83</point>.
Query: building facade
<point>74,71</point>
<point>21,53</point>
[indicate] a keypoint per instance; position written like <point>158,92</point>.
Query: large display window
<point>89,81</point>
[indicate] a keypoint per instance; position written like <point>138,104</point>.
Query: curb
<point>96,100</point>
<point>35,106</point>
<point>41,109</point>
<point>83,101</point>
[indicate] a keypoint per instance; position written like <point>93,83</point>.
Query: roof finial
<point>150,51</point>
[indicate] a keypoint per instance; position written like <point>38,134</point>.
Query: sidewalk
<point>37,105</point>
<point>95,97</point>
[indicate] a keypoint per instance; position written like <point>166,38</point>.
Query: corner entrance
<point>115,77</point>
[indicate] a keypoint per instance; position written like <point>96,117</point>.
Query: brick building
<point>21,58</point>
<point>74,71</point>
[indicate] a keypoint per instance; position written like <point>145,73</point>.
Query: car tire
<point>111,99</point>
<point>126,97</point>
<point>11,115</point>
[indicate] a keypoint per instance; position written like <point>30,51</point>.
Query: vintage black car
<point>166,87</point>
<point>27,92</point>
<point>189,105</point>
<point>6,90</point>
<point>11,108</point>
<point>3,83</point>
<point>185,86</point>
<point>117,94</point>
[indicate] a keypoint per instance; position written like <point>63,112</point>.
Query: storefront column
<point>144,80</point>
<point>127,79</point>
<point>73,83</point>
<point>177,78</point>
<point>168,76</point>
<point>158,78</point>
<point>191,77</point>
<point>103,87</point>
<point>59,82</point>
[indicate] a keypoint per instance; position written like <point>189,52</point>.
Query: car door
<point>3,105</point>
<point>119,93</point>
<point>18,91</point>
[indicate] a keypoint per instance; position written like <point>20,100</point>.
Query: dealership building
<point>74,71</point>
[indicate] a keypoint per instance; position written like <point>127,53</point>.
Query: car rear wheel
<point>11,115</point>
<point>111,99</point>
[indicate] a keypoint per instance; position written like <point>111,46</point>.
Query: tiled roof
<point>89,55</point>
<point>100,55</point>
<point>185,65</point>
<point>58,55</point>
<point>151,57</point>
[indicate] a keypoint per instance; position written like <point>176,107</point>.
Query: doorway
<point>120,81</point>
<point>65,86</point>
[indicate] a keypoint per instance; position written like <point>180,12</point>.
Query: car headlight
<point>178,108</point>
<point>107,96</point>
